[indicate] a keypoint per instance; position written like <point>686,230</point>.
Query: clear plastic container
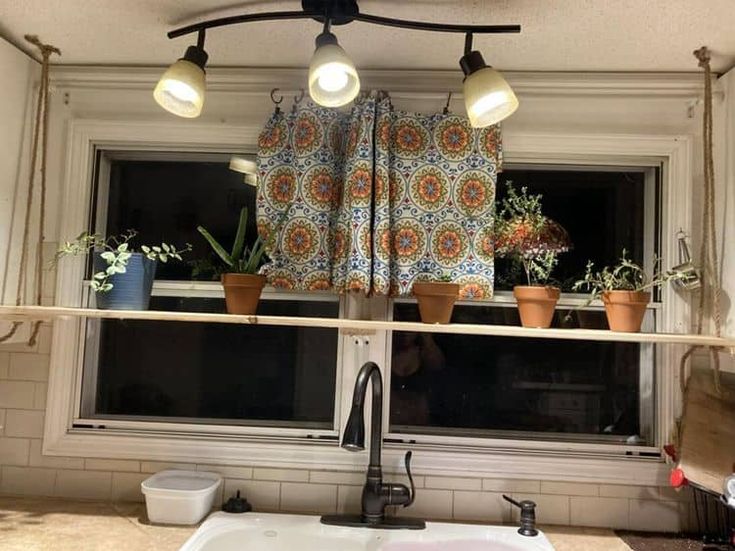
<point>180,497</point>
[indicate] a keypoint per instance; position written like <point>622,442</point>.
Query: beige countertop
<point>31,524</point>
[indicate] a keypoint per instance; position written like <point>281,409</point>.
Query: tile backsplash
<point>25,471</point>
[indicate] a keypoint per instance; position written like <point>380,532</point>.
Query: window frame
<point>567,461</point>
<point>504,299</point>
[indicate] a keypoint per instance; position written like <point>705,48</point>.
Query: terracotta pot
<point>436,300</point>
<point>242,292</point>
<point>536,304</point>
<point>625,309</point>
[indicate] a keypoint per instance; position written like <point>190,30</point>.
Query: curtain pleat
<point>374,199</point>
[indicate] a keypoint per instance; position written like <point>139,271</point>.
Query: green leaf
<point>145,248</point>
<point>109,256</point>
<point>221,252</point>
<point>166,247</point>
<point>242,227</point>
<point>122,247</point>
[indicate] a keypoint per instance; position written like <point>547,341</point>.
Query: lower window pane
<point>214,373</point>
<point>497,386</point>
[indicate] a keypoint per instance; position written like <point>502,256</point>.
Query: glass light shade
<point>181,89</point>
<point>333,79</point>
<point>488,97</point>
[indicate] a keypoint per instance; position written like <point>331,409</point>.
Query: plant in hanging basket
<point>123,277</point>
<point>625,290</point>
<point>239,274</point>
<point>435,298</point>
<point>526,236</point>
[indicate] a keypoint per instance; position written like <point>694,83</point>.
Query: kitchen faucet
<point>376,494</point>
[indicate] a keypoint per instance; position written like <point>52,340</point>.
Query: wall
<point>624,104</point>
<point>14,114</point>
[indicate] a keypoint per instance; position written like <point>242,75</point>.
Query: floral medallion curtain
<point>375,199</point>
<point>434,219</point>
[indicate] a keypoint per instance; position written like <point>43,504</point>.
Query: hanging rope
<point>40,133</point>
<point>710,293</point>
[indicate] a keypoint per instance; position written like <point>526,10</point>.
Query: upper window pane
<point>167,200</point>
<point>603,211</point>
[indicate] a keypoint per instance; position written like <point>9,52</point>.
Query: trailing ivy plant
<point>241,259</point>
<point>116,250</point>
<point>626,275</point>
<point>527,237</point>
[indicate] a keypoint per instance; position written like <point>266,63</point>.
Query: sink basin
<point>277,532</point>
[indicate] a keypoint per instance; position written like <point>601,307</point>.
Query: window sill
<point>560,465</point>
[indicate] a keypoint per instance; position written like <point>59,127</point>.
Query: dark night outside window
<point>198,372</point>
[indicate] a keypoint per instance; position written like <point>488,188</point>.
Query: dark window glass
<point>474,385</point>
<point>602,211</point>
<point>167,200</point>
<point>199,372</point>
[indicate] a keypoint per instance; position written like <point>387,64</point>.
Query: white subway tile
<point>2,422</point>
<point>29,367</point>
<point>37,459</point>
<point>157,466</point>
<point>569,488</point>
<point>349,499</point>
<point>83,484</point>
<point>482,506</point>
<point>336,477</point>
<point>4,365</point>
<point>601,512</point>
<point>39,395</point>
<point>20,346</point>
<point>509,485</point>
<point>431,504</point>
<point>14,451</point>
<point>621,490</point>
<point>27,481</point>
<point>16,394</point>
<point>660,516</point>
<point>227,471</point>
<point>26,423</point>
<point>126,486</point>
<point>263,496</point>
<point>452,483</point>
<point>281,475</point>
<point>308,498</point>
<point>120,465</point>
<point>401,478</point>
<point>550,509</point>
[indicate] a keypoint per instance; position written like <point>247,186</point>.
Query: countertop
<point>33,524</point>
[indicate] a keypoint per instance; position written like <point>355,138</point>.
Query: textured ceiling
<point>558,35</point>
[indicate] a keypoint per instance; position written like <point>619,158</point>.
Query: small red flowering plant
<point>525,235</point>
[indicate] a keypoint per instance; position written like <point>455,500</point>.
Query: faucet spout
<point>354,435</point>
<point>376,494</point>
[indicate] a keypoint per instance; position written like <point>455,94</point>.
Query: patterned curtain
<point>434,219</point>
<point>374,199</point>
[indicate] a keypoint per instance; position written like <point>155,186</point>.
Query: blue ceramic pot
<point>131,290</point>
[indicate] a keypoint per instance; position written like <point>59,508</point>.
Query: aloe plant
<point>242,259</point>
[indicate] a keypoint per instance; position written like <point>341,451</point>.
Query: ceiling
<point>558,35</point>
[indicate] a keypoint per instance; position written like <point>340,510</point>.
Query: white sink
<point>276,532</point>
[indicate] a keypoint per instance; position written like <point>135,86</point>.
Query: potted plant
<point>436,299</point>
<point>625,290</point>
<point>527,237</point>
<point>240,279</point>
<point>122,278</point>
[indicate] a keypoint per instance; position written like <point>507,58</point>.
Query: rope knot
<point>703,55</point>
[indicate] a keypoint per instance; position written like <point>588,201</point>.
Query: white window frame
<point>517,460</point>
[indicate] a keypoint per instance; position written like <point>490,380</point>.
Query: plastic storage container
<point>180,497</point>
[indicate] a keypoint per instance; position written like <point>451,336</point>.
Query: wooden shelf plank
<point>364,326</point>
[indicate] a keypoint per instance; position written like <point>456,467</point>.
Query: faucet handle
<point>407,460</point>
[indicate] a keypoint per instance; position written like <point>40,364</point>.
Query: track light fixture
<point>488,98</point>
<point>181,88</point>
<point>333,79</point>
